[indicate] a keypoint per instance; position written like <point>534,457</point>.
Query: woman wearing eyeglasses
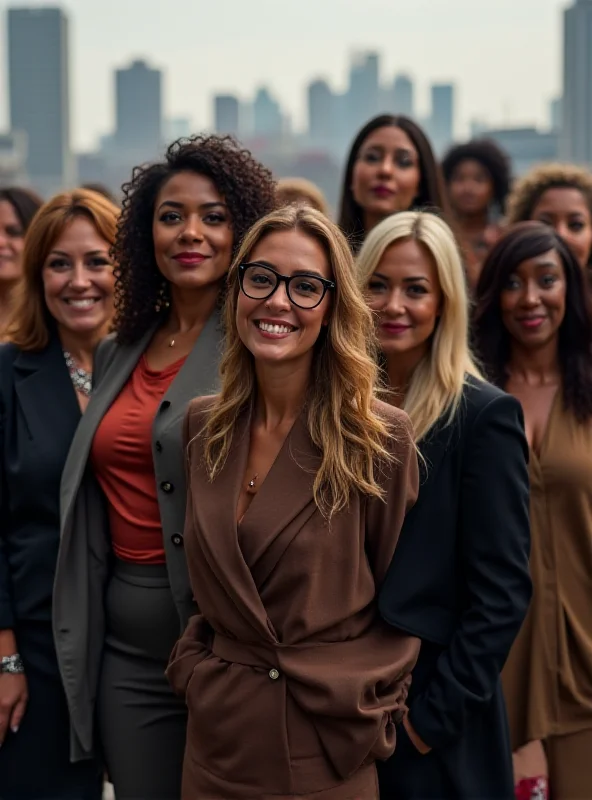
<point>122,594</point>
<point>299,481</point>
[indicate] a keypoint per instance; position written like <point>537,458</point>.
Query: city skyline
<point>195,69</point>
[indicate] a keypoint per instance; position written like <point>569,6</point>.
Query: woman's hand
<point>13,690</point>
<point>13,702</point>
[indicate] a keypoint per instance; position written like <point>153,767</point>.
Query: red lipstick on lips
<point>190,258</point>
<point>382,191</point>
<point>395,327</point>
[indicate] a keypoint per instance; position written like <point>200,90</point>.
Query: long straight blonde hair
<point>342,420</point>
<point>436,387</point>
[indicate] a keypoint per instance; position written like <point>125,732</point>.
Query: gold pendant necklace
<point>252,482</point>
<point>172,343</point>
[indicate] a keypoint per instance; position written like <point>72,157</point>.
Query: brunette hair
<point>301,190</point>
<point>529,189</point>
<point>523,241</point>
<point>491,157</point>
<point>341,417</point>
<point>437,384</point>
<point>142,293</point>
<point>24,202</point>
<point>431,193</point>
<point>30,322</point>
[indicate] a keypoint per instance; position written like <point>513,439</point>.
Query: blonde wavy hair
<point>437,383</point>
<point>341,416</point>
<point>529,189</point>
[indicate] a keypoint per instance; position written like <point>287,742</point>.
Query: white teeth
<point>84,303</point>
<point>265,326</point>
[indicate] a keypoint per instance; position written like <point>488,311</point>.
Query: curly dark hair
<point>248,189</point>
<point>523,241</point>
<point>431,194</point>
<point>491,157</point>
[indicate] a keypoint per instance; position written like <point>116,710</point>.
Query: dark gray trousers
<point>142,723</point>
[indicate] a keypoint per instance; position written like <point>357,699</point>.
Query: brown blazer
<point>548,676</point>
<point>292,681</point>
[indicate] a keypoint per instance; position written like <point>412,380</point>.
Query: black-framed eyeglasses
<point>260,281</point>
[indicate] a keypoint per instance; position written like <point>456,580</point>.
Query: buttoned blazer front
<point>460,580</point>
<point>291,678</point>
<point>85,548</point>
<point>38,418</point>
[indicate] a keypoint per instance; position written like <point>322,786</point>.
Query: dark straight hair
<point>25,203</point>
<point>523,241</point>
<point>431,195</point>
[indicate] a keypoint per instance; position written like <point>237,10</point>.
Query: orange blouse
<point>122,459</point>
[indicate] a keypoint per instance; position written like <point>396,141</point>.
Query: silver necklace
<point>81,379</point>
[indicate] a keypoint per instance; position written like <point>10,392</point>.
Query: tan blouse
<point>548,677</point>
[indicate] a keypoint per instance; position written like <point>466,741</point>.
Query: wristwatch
<point>12,665</point>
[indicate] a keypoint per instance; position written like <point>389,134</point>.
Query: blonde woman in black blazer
<point>460,577</point>
<point>120,605</point>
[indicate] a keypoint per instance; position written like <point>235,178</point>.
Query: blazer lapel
<point>432,450</point>
<point>282,505</point>
<point>101,399</point>
<point>45,393</point>
<point>214,511</point>
<point>199,375</point>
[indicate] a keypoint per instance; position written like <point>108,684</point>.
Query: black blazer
<point>39,413</point>
<point>460,581</point>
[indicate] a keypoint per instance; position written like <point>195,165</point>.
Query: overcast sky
<point>504,55</point>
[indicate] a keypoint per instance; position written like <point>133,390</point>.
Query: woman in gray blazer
<point>122,593</point>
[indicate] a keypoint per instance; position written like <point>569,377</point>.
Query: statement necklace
<point>81,379</point>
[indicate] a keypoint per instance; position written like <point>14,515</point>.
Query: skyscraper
<point>138,132</point>
<point>39,93</point>
<point>576,133</point>
<point>321,113</point>
<point>402,96</point>
<point>267,114</point>
<point>226,114</point>
<point>363,95</point>
<point>441,126</point>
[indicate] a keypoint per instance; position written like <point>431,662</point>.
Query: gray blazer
<point>85,548</point>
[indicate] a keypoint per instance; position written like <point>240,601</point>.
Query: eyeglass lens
<point>259,282</point>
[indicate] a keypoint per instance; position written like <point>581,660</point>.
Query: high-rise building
<point>39,93</point>
<point>226,114</point>
<point>441,125</point>
<point>363,95</point>
<point>576,128</point>
<point>138,130</point>
<point>402,96</point>
<point>321,113</point>
<point>267,115</point>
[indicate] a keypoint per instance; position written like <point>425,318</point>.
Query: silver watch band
<point>11,665</point>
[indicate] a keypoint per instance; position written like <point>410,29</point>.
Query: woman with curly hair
<point>560,195</point>
<point>299,482</point>
<point>122,590</point>
<point>477,176</point>
<point>390,168</point>
<point>535,339</point>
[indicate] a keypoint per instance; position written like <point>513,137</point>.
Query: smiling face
<point>275,330</point>
<point>192,232</point>
<point>386,174</point>
<point>12,238</point>
<point>78,280</point>
<point>566,210</point>
<point>533,301</point>
<point>405,295</point>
